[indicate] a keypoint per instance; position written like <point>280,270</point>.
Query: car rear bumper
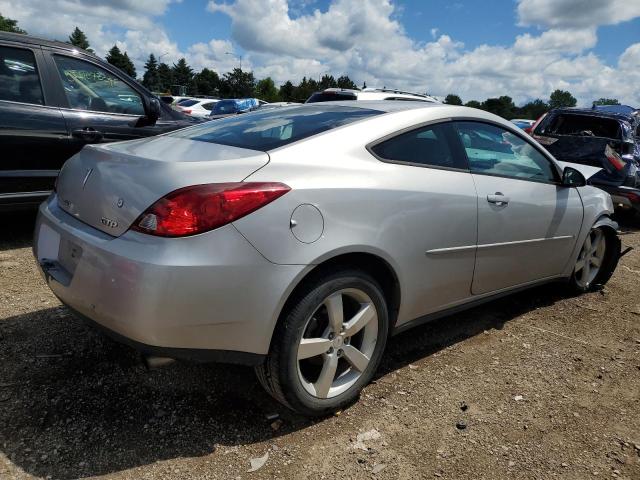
<point>625,198</point>
<point>206,296</point>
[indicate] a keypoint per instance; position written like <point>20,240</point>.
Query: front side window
<point>89,87</point>
<point>427,146</point>
<point>19,80</point>
<point>494,150</point>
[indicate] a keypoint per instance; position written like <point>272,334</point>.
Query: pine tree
<point>207,82</point>
<point>182,73</point>
<point>165,77</point>
<point>150,79</point>
<point>121,60</point>
<point>345,82</point>
<point>79,39</point>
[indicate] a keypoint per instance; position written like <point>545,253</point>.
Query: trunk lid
<point>109,186</point>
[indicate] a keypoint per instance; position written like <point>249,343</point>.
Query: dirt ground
<point>537,385</point>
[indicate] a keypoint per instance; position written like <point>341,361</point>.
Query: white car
<point>340,94</point>
<point>197,107</point>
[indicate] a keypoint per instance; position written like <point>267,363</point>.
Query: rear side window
<point>188,103</point>
<point>208,106</point>
<point>429,146</point>
<point>89,87</point>
<point>19,80</point>
<point>580,125</point>
<point>268,129</point>
<point>331,97</point>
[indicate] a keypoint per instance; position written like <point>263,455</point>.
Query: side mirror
<point>573,178</point>
<point>153,111</point>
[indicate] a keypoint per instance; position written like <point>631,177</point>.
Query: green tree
<point>453,99</point>
<point>327,81</point>
<point>238,84</point>
<point>561,98</point>
<point>121,60</point>
<point>473,104</point>
<point>533,110</point>
<point>182,73</point>
<point>606,101</point>
<point>266,90</point>
<point>9,25</point>
<point>207,82</point>
<point>287,92</point>
<point>345,82</point>
<point>305,89</point>
<point>79,39</point>
<point>165,78</point>
<point>502,106</point>
<point>150,77</point>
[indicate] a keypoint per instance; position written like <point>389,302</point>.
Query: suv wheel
<point>328,345</point>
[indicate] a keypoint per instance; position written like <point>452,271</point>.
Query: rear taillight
<point>634,197</point>
<point>200,208</point>
<point>187,111</point>
<point>614,159</point>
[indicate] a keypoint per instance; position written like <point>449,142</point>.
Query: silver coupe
<point>298,239</point>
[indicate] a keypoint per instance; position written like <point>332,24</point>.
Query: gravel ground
<point>537,385</point>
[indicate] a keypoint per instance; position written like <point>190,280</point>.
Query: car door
<point>98,105</point>
<point>527,221</point>
<point>435,239</point>
<point>33,136</point>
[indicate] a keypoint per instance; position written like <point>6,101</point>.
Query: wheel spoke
<point>355,357</point>
<point>587,244</point>
<point>579,265</point>
<point>335,311</point>
<point>360,319</point>
<point>595,261</point>
<point>312,347</point>
<point>586,271</point>
<point>596,242</point>
<point>325,379</point>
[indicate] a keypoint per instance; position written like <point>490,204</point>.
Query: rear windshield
<point>580,125</point>
<point>187,103</point>
<point>268,129</point>
<point>330,97</point>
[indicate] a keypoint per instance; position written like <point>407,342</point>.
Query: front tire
<point>596,261</point>
<point>328,344</point>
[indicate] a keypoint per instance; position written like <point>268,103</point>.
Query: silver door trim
<point>440,251</point>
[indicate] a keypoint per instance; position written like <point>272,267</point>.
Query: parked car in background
<point>200,108</point>
<point>341,94</point>
<point>523,123</point>
<point>601,138</point>
<point>235,106</point>
<point>60,98</point>
<point>303,237</point>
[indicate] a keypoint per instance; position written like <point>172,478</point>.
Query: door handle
<point>498,198</point>
<point>88,134</point>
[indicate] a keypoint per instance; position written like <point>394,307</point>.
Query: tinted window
<point>273,128</point>
<point>425,146</point>
<point>19,80</point>
<point>208,106</point>
<point>187,103</point>
<point>330,97</point>
<point>89,87</point>
<point>496,151</point>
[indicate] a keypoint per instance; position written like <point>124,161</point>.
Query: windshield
<point>269,129</point>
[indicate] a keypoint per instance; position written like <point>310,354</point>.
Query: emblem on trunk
<point>108,222</point>
<point>86,177</point>
<point>120,203</point>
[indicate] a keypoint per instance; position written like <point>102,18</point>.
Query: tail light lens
<point>200,208</point>
<point>614,159</point>
<point>187,111</point>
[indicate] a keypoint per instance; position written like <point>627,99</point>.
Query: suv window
<point>331,97</point>
<point>89,87</point>
<point>19,80</point>
<point>427,146</point>
<point>494,150</point>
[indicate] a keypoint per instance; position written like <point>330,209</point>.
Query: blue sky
<point>522,48</point>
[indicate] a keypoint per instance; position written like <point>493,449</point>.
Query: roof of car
<point>381,105</point>
<point>594,113</point>
<point>22,38</point>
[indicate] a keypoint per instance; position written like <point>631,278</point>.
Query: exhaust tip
<point>153,363</point>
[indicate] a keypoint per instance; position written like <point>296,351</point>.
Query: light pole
<point>160,56</point>
<point>235,56</point>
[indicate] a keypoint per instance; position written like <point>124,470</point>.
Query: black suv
<point>56,98</point>
<point>604,137</point>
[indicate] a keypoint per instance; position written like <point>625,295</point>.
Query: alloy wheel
<point>590,258</point>
<point>337,343</point>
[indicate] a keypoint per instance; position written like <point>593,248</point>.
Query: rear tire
<point>328,343</point>
<point>596,261</point>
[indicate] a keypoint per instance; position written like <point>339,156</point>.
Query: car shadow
<point>17,229</point>
<point>74,403</point>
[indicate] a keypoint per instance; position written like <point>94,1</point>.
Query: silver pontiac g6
<point>297,240</point>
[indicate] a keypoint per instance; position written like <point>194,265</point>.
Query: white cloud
<point>576,13</point>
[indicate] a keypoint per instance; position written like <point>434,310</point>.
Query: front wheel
<point>329,344</point>
<point>597,260</point>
